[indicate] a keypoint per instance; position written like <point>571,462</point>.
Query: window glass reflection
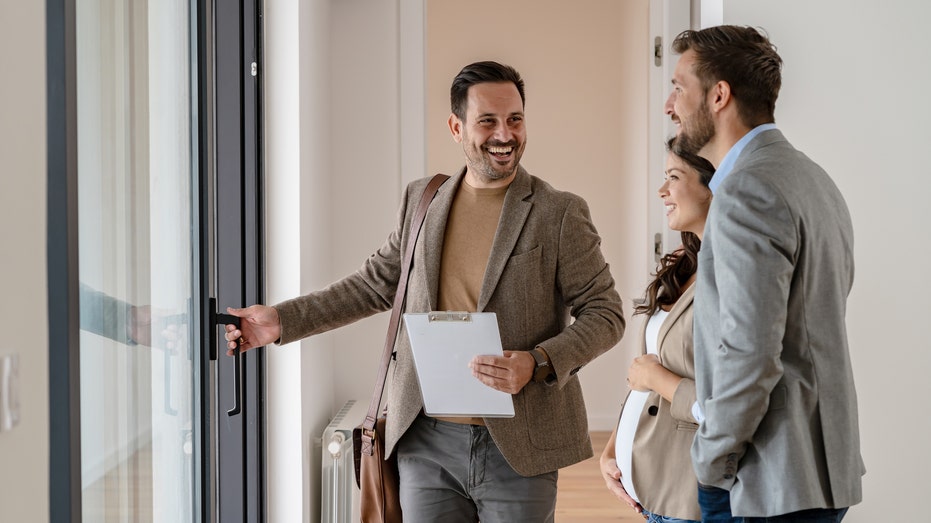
<point>135,259</point>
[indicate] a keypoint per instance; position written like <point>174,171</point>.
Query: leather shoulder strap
<point>393,324</point>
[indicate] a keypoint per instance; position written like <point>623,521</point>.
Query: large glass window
<point>136,259</point>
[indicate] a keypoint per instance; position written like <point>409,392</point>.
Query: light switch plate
<point>9,391</point>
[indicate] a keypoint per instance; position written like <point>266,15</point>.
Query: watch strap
<point>543,371</point>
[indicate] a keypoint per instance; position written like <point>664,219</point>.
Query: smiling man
<point>495,239</point>
<point>780,440</point>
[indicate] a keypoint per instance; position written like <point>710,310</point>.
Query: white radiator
<point>339,495</point>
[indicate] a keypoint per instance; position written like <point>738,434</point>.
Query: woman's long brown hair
<point>675,268</point>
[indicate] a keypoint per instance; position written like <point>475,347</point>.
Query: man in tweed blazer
<point>780,438</point>
<point>495,239</point>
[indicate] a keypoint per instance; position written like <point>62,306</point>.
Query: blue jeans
<point>716,508</point>
<point>656,518</point>
<point>455,473</point>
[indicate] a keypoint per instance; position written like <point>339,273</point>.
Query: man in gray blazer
<point>780,438</point>
<point>495,239</point>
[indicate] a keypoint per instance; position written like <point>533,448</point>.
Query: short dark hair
<point>745,59</point>
<point>480,73</point>
<point>677,267</point>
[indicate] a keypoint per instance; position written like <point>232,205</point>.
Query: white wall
<point>293,411</point>
<point>365,175</point>
<point>854,98</point>
<point>24,450</point>
<point>333,171</point>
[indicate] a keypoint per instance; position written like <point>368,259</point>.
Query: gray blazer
<point>660,462</point>
<point>545,267</point>
<point>773,373</point>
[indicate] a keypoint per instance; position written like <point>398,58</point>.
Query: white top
<point>630,416</point>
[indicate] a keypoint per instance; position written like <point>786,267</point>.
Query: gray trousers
<point>454,473</point>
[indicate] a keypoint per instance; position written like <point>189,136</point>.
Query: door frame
<point>667,19</point>
<point>62,245</point>
<point>238,250</point>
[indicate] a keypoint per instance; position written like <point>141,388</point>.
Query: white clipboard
<point>443,344</point>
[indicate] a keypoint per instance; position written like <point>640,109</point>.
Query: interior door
<point>668,18</point>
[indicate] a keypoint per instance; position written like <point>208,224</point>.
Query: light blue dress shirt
<point>727,164</point>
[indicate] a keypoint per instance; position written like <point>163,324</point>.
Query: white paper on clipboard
<point>443,343</point>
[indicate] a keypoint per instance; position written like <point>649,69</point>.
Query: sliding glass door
<point>154,222</point>
<point>137,168</point>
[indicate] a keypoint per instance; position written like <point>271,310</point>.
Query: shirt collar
<point>727,164</point>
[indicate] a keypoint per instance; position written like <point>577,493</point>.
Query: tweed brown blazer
<point>545,268</point>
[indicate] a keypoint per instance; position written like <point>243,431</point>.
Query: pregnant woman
<point>646,463</point>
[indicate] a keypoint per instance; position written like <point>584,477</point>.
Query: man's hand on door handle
<point>260,326</point>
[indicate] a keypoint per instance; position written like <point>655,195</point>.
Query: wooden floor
<point>582,496</point>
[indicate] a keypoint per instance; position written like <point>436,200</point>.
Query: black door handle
<point>228,319</point>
